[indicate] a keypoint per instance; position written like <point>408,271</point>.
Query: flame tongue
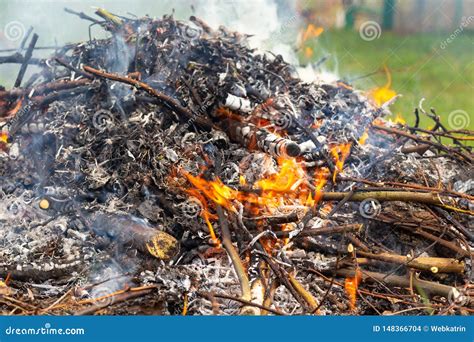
<point>3,137</point>
<point>340,153</point>
<point>381,95</point>
<point>351,284</point>
<point>286,189</point>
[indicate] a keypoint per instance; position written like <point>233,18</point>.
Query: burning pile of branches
<point>170,169</point>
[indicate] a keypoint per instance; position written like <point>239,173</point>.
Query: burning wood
<point>175,125</point>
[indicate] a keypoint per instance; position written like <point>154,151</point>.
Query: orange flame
<point>321,177</point>
<point>205,214</point>
<point>399,119</point>
<point>4,137</point>
<point>312,32</point>
<point>380,95</point>
<point>288,187</point>
<point>351,285</point>
<point>308,52</point>
<point>363,138</point>
<point>339,154</point>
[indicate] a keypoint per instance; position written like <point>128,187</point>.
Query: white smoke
<point>273,24</point>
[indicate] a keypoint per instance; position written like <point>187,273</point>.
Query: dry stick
<point>356,242</point>
<point>400,281</point>
<point>257,289</point>
<point>432,237</point>
<point>307,296</point>
<point>50,47</point>
<point>404,196</point>
<point>59,300</point>
<point>407,185</point>
<point>321,231</point>
<point>62,62</point>
<point>374,279</point>
<point>269,296</point>
<point>121,297</point>
<point>25,38</point>
<point>169,101</point>
<point>243,301</point>
<point>24,65</point>
<point>82,15</point>
<point>420,149</point>
<point>44,88</point>
<point>294,287</point>
<point>458,225</point>
<point>234,256</point>
<point>445,134</point>
<point>340,204</point>
<point>443,265</point>
<point>283,276</point>
<point>17,58</point>
<point>44,101</point>
<point>435,117</point>
<point>424,141</point>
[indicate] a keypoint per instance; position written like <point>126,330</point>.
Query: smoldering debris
<point>170,169</point>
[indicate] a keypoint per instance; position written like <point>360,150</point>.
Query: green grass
<point>420,68</point>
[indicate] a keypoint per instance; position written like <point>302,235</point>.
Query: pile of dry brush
<point>170,169</point>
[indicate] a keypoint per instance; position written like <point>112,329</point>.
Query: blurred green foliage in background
<point>419,67</point>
